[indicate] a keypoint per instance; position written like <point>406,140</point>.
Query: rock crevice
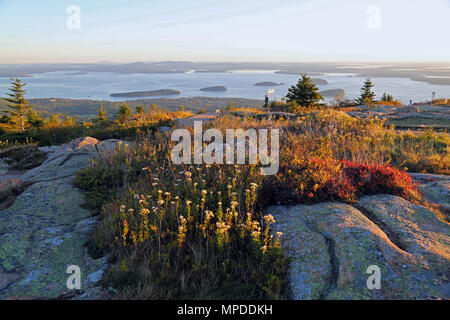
<point>333,262</point>
<point>380,224</point>
<point>334,268</point>
<point>333,245</point>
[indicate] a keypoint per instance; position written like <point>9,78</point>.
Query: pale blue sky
<point>231,30</point>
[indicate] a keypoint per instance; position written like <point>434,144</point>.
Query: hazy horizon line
<point>230,61</point>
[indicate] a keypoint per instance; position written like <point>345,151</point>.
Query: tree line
<point>306,93</point>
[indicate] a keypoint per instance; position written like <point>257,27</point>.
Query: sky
<point>233,30</point>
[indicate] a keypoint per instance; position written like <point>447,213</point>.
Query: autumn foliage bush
<point>317,180</point>
<point>373,179</point>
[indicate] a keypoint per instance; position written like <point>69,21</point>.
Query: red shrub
<point>373,179</point>
<point>318,180</point>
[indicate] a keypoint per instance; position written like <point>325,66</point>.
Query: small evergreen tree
<point>367,95</point>
<point>123,113</point>
<point>54,121</point>
<point>68,121</point>
<point>305,93</point>
<point>139,109</point>
<point>101,118</point>
<point>387,97</point>
<point>17,104</point>
<point>35,119</point>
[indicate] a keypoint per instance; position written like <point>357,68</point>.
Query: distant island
<point>211,71</point>
<point>153,93</point>
<point>332,93</point>
<point>298,72</point>
<point>79,73</point>
<point>266,84</point>
<point>434,80</point>
<point>214,89</point>
<point>319,82</point>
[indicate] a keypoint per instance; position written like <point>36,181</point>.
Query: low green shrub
<point>23,156</point>
<point>99,185</point>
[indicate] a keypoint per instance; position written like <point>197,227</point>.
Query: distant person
<point>410,103</point>
<point>266,101</point>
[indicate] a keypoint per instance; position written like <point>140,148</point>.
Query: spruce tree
<point>305,93</point>
<point>54,121</point>
<point>101,118</point>
<point>17,104</point>
<point>123,113</point>
<point>35,119</point>
<point>367,95</point>
<point>68,121</point>
<point>139,109</point>
<point>387,97</point>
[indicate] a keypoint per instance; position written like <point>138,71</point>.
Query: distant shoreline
<point>151,93</point>
<point>422,72</point>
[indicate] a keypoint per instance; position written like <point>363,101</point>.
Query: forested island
<point>266,84</point>
<point>332,92</point>
<point>319,81</point>
<point>214,89</point>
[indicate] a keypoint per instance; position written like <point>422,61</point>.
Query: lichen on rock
<point>45,230</point>
<point>332,245</point>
